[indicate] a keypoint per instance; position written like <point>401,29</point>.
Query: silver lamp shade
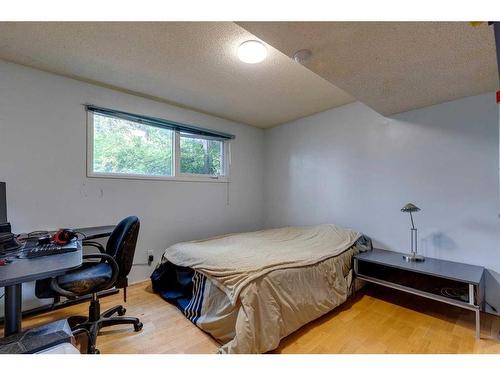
<point>410,207</point>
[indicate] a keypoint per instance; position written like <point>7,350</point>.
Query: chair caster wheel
<point>94,350</point>
<point>138,327</point>
<point>122,311</point>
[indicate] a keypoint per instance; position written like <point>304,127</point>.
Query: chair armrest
<point>105,257</point>
<point>94,244</point>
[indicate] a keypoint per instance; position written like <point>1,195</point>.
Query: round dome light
<point>252,51</point>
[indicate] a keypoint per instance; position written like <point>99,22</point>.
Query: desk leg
<point>13,304</point>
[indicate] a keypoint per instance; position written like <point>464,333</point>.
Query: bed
<point>249,290</point>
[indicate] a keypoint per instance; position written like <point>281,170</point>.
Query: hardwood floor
<point>376,320</point>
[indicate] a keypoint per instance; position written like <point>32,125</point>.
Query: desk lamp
<point>412,256</point>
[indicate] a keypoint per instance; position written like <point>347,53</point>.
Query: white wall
<point>43,161</point>
<point>353,167</point>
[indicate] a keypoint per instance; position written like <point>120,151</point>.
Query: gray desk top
<point>24,270</point>
<point>96,232</point>
<point>431,266</point>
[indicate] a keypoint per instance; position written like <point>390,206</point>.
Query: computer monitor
<point>3,203</point>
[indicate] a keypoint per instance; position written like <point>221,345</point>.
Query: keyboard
<point>48,249</point>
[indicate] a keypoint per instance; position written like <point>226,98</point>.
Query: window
<point>128,146</point>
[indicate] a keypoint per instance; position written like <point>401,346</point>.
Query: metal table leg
<point>472,301</point>
<point>13,304</point>
<point>478,324</point>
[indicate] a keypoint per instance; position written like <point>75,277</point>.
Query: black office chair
<point>112,270</point>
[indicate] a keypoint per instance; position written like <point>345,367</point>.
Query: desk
<point>20,271</point>
<point>90,233</point>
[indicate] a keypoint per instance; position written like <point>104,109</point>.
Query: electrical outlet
<point>151,257</point>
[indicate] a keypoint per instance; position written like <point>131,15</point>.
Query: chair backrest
<point>121,244</point>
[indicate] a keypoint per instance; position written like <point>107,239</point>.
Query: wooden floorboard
<point>376,320</point>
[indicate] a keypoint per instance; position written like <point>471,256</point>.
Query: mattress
<point>269,305</point>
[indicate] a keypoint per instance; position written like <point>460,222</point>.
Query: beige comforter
<point>233,261</point>
<point>277,304</point>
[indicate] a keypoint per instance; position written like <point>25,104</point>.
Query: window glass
<point>201,156</point>
<point>126,147</point>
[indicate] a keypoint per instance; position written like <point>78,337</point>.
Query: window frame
<point>176,175</point>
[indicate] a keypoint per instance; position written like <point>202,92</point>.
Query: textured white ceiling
<point>392,66</point>
<point>193,64</point>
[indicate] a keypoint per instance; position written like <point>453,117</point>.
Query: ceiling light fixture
<point>252,52</point>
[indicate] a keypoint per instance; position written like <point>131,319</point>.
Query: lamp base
<point>413,257</point>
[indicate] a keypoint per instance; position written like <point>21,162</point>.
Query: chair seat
<point>89,278</point>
